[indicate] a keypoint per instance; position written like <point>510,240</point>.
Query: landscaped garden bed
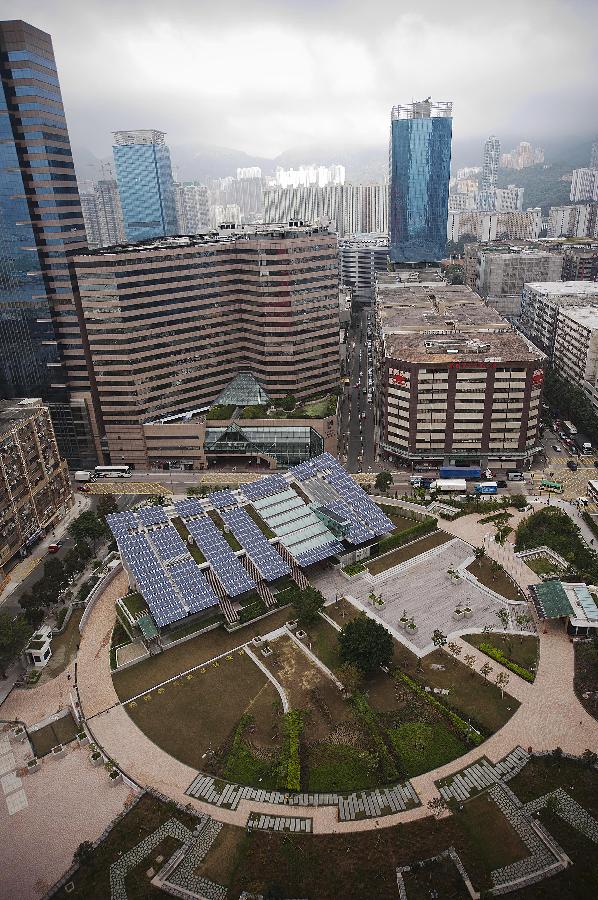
<point>586,675</point>
<point>517,652</point>
<point>492,575</point>
<point>92,879</point>
<point>62,731</point>
<point>395,557</point>
<point>551,527</point>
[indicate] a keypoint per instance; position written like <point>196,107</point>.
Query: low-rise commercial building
<point>455,382</point>
<point>168,324</point>
<point>540,305</point>
<point>498,272</point>
<point>35,490</point>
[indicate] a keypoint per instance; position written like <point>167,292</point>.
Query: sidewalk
<point>40,551</point>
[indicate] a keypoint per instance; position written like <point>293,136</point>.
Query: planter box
<point>97,761</point>
<point>33,765</point>
<point>19,734</point>
<point>59,751</point>
<point>468,613</point>
<point>411,630</point>
<point>83,740</point>
<point>301,634</point>
<point>114,777</point>
<point>457,616</point>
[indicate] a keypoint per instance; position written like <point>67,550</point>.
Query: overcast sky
<point>268,75</point>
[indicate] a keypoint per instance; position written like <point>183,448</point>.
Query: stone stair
<point>481,775</point>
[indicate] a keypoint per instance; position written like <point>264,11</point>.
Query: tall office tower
<point>91,219</point>
<point>41,352</point>
<point>145,184</point>
<point>491,159</point>
<point>162,345</point>
<point>420,162</point>
<point>110,215</point>
<point>594,156</point>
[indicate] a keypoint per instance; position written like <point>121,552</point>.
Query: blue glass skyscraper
<point>420,161</point>
<point>145,184</point>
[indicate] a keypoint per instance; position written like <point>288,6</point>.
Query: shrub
<point>289,769</point>
<point>498,655</point>
<point>241,764</point>
<point>354,568</point>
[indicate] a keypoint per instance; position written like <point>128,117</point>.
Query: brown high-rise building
<point>169,323</point>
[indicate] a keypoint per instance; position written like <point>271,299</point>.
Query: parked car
<point>557,449</point>
<point>54,548</point>
<point>501,484</point>
<point>572,465</point>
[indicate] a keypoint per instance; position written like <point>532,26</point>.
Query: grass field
<point>402,554</point>
<point>542,566</point>
<point>197,650</point>
<point>493,576</point>
<point>210,703</point>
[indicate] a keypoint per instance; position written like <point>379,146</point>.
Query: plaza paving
<point>66,802</point>
<point>423,589</point>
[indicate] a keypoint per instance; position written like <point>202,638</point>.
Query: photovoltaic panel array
<point>168,543</point>
<point>189,507</point>
<point>317,554</point>
<point>232,575</point>
<point>222,499</point>
<point>193,586</point>
<point>171,592</point>
<point>152,515</point>
<point>264,487</point>
<point>270,564</point>
<point>367,519</point>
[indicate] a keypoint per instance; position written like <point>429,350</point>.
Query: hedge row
<point>460,724</point>
<point>398,539</point>
<point>289,770</point>
<point>496,654</point>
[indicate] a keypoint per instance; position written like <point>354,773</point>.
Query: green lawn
<point>422,747</point>
<point>542,566</point>
<point>62,731</point>
<point>135,604</point>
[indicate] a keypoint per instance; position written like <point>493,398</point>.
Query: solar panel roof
<point>269,563</point>
<point>222,499</point>
<point>231,573</point>
<point>189,507</point>
<point>265,487</point>
<point>152,515</point>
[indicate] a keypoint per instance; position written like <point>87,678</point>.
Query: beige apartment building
<point>455,381</point>
<point>575,354</point>
<point>35,490</point>
<point>168,324</point>
<point>497,272</point>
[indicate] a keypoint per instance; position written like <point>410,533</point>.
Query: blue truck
<point>486,487</point>
<point>469,473</point>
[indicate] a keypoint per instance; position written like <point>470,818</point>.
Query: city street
<point>356,430</point>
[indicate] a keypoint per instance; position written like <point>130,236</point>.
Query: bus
<point>112,472</point>
<point>553,487</point>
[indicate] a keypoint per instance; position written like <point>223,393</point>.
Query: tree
<point>503,617</point>
<point>83,852</point>
<point>454,649</point>
<point>486,670</point>
<point>87,526</point>
<point>289,402</point>
<point>479,552</point>
<point>72,562</point>
<point>523,620</point>
<point>438,638</point>
<point>383,481</point>
<point>469,660</point>
<point>308,604</point>
<point>502,680</point>
<point>33,609</point>
<point>14,634</point>
<point>107,505</point>
<point>351,677</point>
<point>366,644</point>
<point>502,533</point>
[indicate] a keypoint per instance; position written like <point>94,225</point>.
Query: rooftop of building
<point>364,240</point>
<point>13,411</point>
<point>444,323</point>
<point>423,109</point>
<point>225,234</point>
<point>583,315</point>
<point>547,245</point>
<point>565,288</point>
